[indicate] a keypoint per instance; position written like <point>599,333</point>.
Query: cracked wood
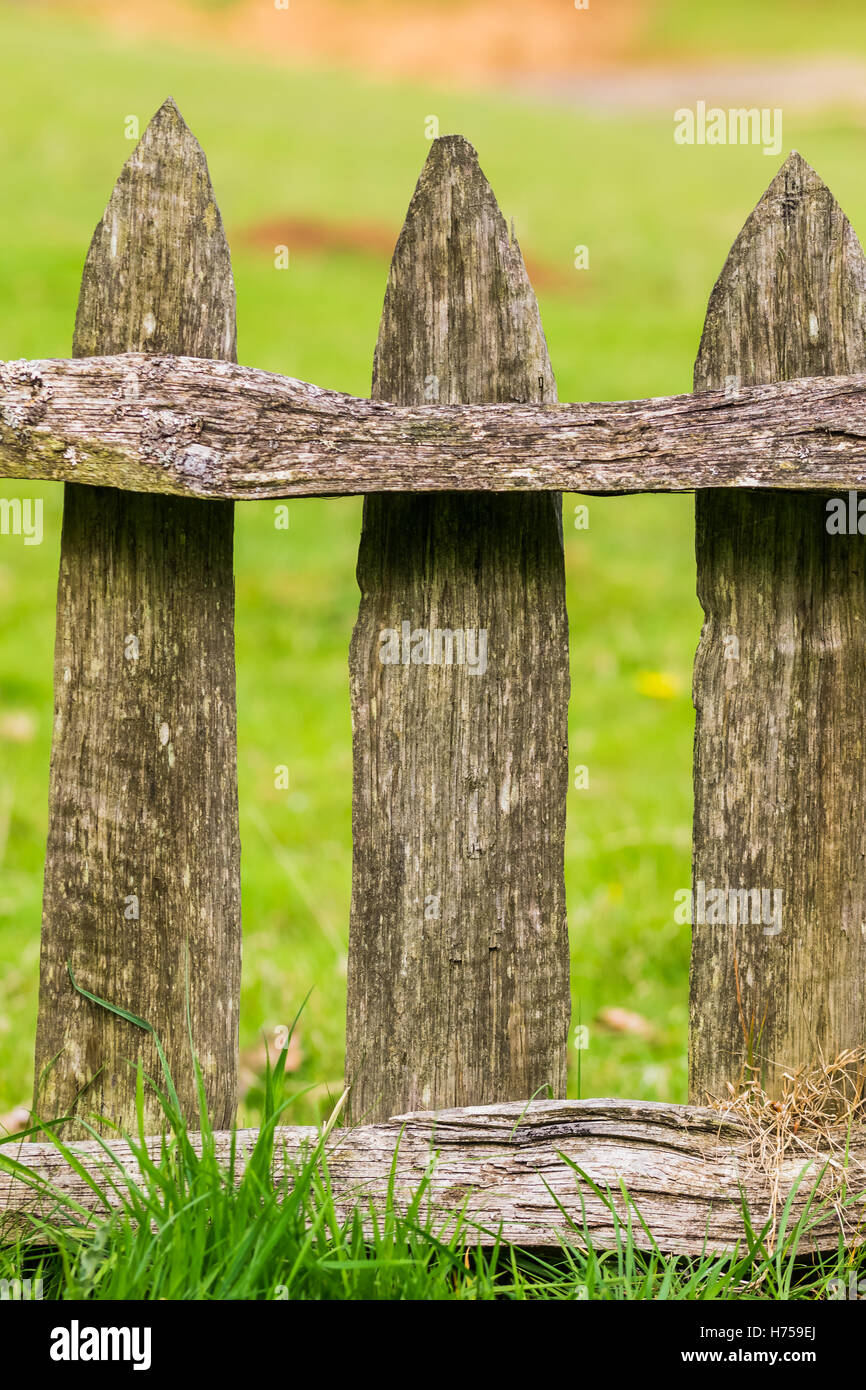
<point>686,1169</point>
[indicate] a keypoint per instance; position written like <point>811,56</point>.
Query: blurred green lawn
<point>658,220</point>
<point>753,29</point>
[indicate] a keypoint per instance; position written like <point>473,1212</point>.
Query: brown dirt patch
<point>469,42</point>
<point>310,235</point>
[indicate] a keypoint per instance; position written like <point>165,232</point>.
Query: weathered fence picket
<point>458,988</point>
<point>143,862</point>
<point>780,678</point>
<point>458,956</point>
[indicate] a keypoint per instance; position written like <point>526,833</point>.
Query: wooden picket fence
<point>458,987</point>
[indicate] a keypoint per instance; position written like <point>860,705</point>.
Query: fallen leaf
<point>624,1021</point>
<point>253,1060</point>
<point>16,1121</point>
<point>18,726</point>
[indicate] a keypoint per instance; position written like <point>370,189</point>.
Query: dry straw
<point>810,1120</point>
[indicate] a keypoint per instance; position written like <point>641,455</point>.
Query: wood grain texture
<point>780,774</point>
<point>209,429</point>
<point>143,849</point>
<point>685,1169</point>
<point>458,983</point>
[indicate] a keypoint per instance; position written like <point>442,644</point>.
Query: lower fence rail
<point>533,1174</point>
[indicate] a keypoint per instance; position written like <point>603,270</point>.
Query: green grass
<point>658,220</point>
<point>769,29</point>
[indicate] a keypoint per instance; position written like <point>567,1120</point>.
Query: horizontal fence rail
<point>195,428</point>
<point>541,1173</point>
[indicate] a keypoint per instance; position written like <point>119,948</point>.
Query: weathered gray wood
<point>780,772</point>
<point>458,983</point>
<point>207,429</point>
<point>686,1170</point>
<point>143,850</point>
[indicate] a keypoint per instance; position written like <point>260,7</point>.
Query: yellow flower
<point>659,685</point>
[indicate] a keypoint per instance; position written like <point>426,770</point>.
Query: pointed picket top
<point>460,321</point>
<point>791,298</point>
<point>158,274</point>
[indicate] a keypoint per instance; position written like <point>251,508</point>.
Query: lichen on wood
<point>210,429</point>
